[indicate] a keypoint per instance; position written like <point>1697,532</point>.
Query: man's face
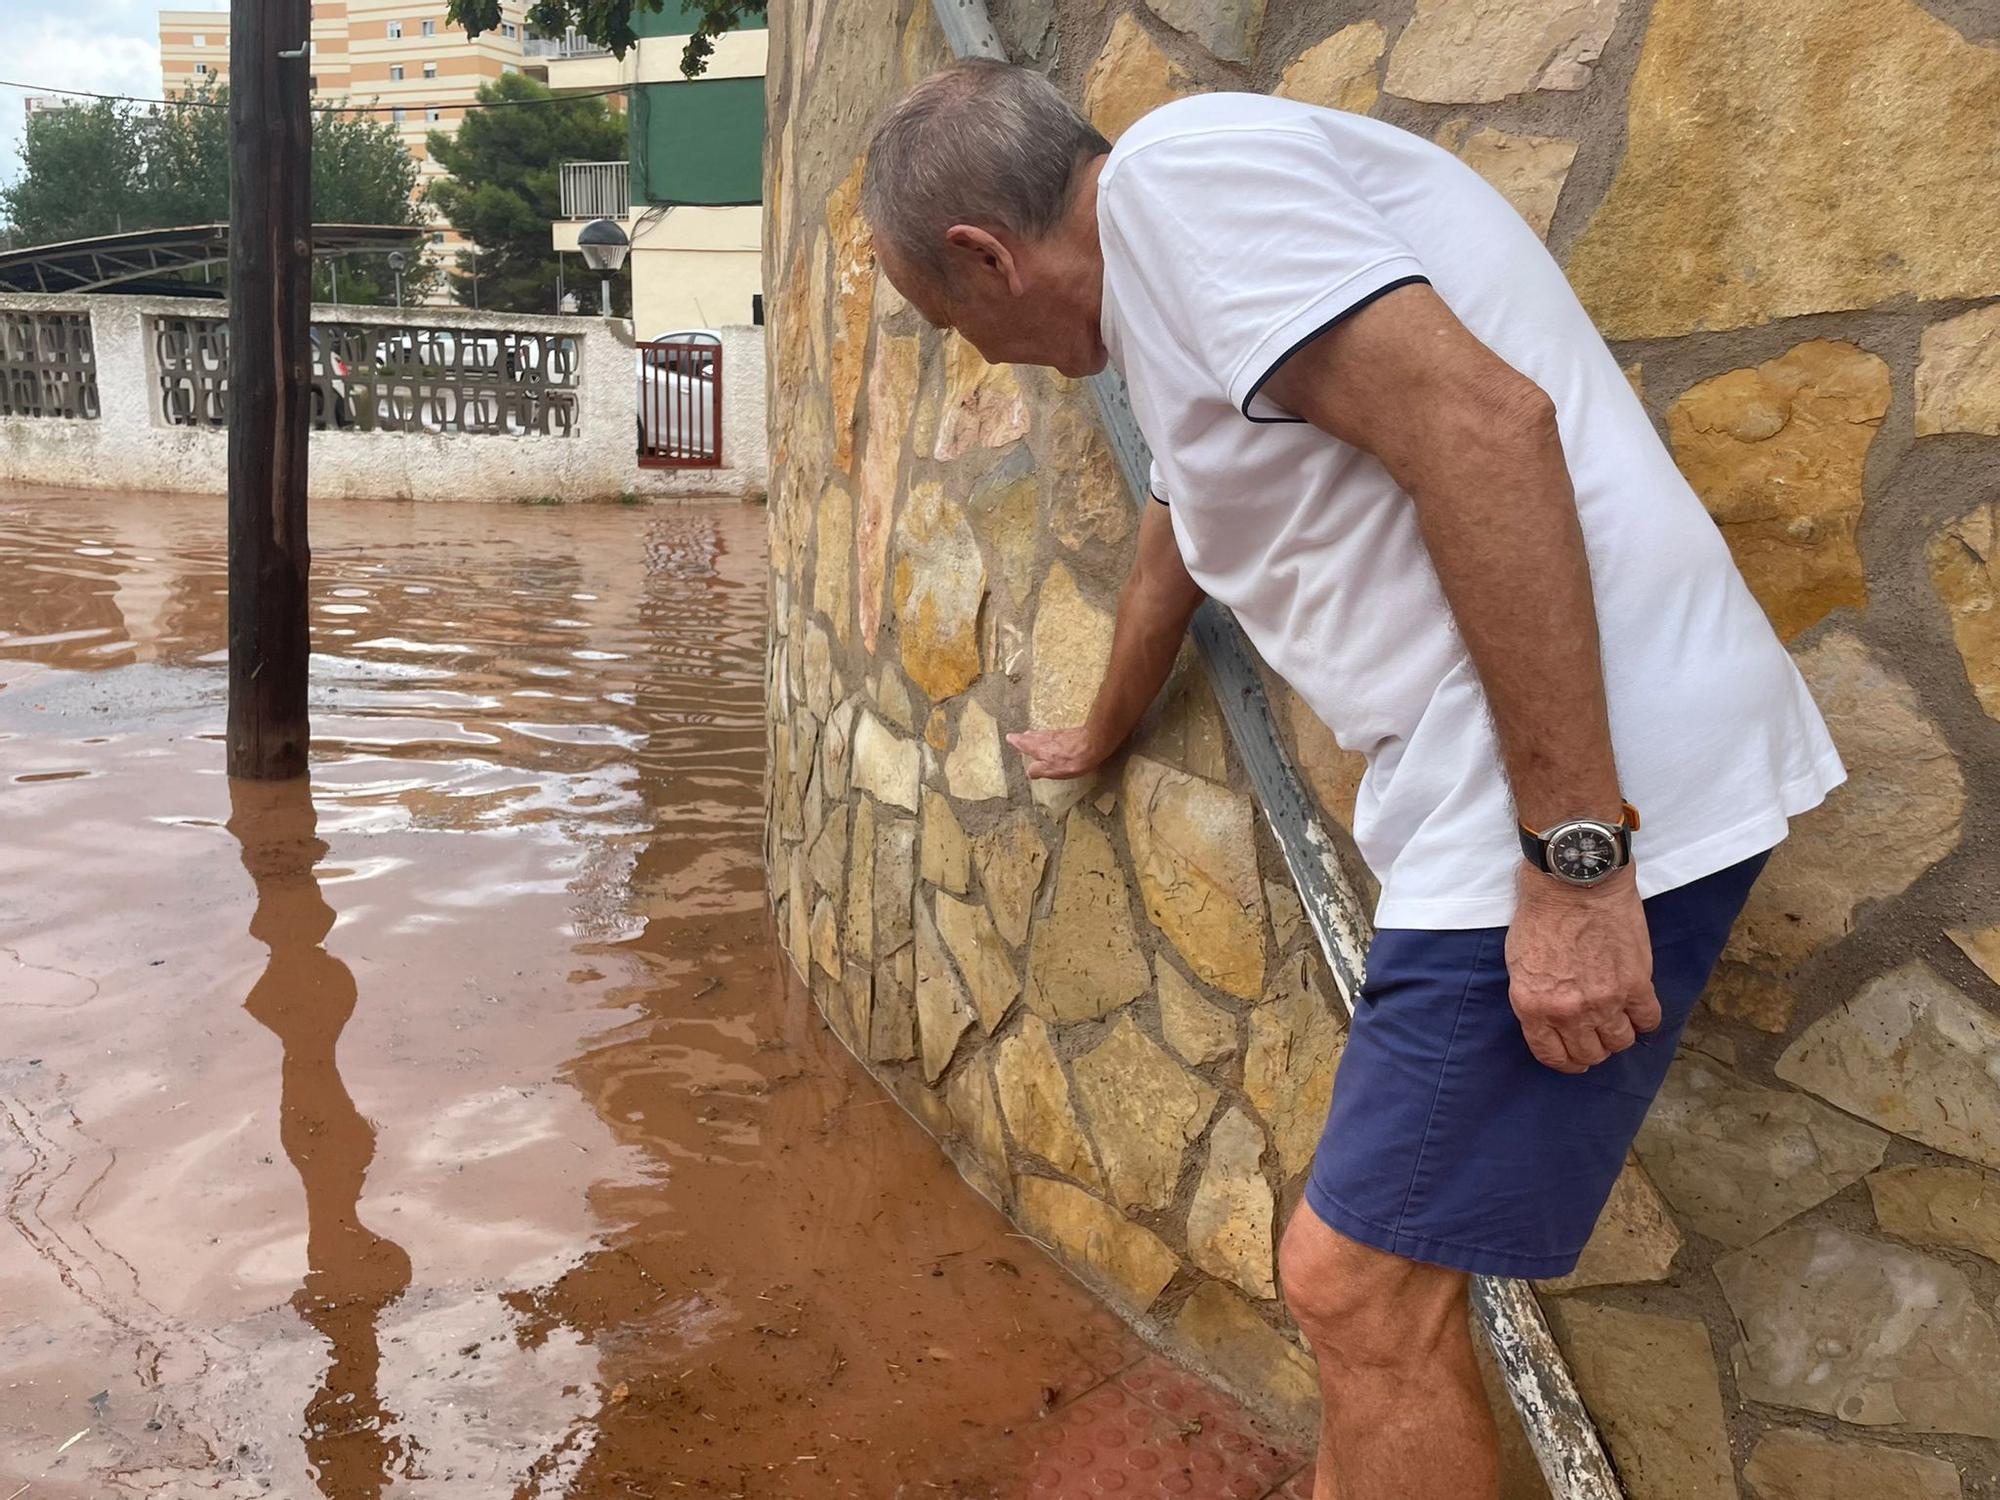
<point>1004,305</point>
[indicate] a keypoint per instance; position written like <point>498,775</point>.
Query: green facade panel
<point>673,18</point>
<point>698,143</point>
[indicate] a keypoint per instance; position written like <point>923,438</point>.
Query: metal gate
<point>680,403</point>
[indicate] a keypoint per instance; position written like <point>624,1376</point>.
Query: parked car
<point>443,351</point>
<point>442,379</point>
<point>677,394</point>
<point>329,380</point>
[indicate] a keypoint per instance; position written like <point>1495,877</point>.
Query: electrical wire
<point>326,109</point>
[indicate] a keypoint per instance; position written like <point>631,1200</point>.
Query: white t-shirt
<point>1235,228</point>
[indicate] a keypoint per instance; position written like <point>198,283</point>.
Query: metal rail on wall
<point>1538,1380</point>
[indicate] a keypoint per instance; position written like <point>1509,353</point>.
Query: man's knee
<point>1363,1306</point>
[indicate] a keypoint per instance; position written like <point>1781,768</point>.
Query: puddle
<point>451,1125</point>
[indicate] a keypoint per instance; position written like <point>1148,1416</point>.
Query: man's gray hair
<point>979,143</point>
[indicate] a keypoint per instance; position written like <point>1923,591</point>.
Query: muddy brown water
<point>451,1125</point>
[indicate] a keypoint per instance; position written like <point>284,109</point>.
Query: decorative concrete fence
<point>425,403</point>
<point>1101,998</point>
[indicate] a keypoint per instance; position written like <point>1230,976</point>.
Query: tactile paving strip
<point>1151,1431</point>
<point>1146,1432</point>
<point>1300,1485</point>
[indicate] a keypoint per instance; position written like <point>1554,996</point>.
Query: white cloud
<point>111,46</point>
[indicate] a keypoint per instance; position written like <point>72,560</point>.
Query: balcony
<point>596,190</point>
<point>575,44</point>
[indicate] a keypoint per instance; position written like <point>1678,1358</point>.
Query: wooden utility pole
<point>270,384</point>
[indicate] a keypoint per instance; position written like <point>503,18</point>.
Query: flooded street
<point>452,1126</point>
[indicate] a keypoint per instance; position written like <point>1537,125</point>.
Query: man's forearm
<point>1144,644</point>
<point>1498,516</point>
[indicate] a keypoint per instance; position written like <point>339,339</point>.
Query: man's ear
<point>981,253</point>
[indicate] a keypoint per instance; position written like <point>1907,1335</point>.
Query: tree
<point>608,23</point>
<point>79,170</point>
<point>363,174</point>
<point>505,187</point>
<point>105,168</point>
<point>185,150</point>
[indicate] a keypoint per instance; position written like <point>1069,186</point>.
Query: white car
<point>677,394</point>
<point>436,378</point>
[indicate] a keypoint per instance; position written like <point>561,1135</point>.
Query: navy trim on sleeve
<point>1157,499</point>
<point>1279,363</point>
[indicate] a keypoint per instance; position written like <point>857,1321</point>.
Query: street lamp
<point>397,260</point>
<point>604,248</point>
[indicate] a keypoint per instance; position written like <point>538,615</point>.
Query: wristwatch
<point>1582,851</point>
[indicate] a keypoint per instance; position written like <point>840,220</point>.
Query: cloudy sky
<point>110,45</point>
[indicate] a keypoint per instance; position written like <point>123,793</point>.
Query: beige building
<point>194,49</point>
<point>402,54</point>
<point>689,196</point>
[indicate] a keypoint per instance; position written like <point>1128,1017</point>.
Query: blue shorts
<point>1447,1142</point>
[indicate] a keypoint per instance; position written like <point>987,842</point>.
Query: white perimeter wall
<point>131,447</point>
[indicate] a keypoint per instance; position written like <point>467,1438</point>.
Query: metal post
<point>604,300</point>
<point>270,390</point>
<point>333,280</point>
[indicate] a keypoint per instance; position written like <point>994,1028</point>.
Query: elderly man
<point>1387,437</point>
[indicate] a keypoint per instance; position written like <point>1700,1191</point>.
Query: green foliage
<point>505,187</point>
<point>106,168</point>
<point>80,170</point>
<point>363,174</point>
<point>608,23</point>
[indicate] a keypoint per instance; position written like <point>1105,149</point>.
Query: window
<point>430,28</point>
<point>200,40</point>
<point>437,236</point>
<point>509,30</point>
<point>395,72</point>
<point>201,70</point>
<point>395,29</point>
<point>430,70</point>
<point>397,116</point>
<point>435,115</point>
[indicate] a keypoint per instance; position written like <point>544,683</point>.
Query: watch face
<point>1582,852</point>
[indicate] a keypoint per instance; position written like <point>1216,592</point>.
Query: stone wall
<point>1101,998</point>
<point>130,445</point>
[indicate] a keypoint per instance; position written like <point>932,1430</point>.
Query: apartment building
<point>194,49</point>
<point>401,55</point>
<point>689,196</point>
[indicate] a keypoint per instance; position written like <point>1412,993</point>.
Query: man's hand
<point>1058,753</point>
<point>1581,966</point>
<point>1154,607</point>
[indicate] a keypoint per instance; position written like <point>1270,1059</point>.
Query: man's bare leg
<point>1403,1415</point>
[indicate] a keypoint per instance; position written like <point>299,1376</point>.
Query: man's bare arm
<point>1154,607</point>
<point>1475,446</point>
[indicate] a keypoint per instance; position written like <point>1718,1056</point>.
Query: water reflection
<point>646,1227</point>
<point>305,997</point>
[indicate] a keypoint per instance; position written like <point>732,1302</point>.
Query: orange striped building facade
<point>401,54</point>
